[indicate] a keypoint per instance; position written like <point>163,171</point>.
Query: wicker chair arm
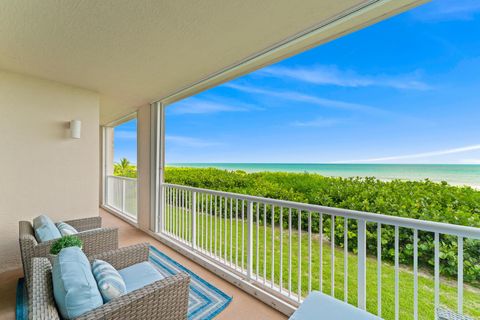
<point>86,223</point>
<point>25,231</point>
<point>165,299</point>
<point>124,257</point>
<point>94,242</point>
<point>41,304</point>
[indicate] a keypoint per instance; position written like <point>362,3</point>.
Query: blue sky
<point>406,90</point>
<point>125,141</point>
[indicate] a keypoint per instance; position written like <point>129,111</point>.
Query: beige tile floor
<point>243,305</point>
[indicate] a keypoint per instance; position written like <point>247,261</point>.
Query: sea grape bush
<point>424,200</point>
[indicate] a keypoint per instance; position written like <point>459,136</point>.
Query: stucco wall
<point>143,163</point>
<point>43,169</point>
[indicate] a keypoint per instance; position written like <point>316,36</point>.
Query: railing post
<point>194,219</point>
<point>161,211</point>
<point>362,260</point>
<point>249,239</point>
<point>107,191</point>
<point>123,195</point>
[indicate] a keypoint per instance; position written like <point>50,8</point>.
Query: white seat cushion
<point>319,306</point>
<point>139,275</point>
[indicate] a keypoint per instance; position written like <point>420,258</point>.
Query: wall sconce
<point>75,128</point>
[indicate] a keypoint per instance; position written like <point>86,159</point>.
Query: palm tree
<point>125,169</point>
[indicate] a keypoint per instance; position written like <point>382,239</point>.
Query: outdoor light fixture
<point>75,128</point>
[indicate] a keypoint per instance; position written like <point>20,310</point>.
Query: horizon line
<point>327,163</point>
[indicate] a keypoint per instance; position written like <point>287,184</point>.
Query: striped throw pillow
<point>109,281</point>
<point>65,229</point>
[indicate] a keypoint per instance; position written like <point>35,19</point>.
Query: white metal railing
<point>264,241</point>
<point>121,194</point>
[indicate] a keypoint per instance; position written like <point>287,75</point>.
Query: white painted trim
<point>155,146</point>
<point>103,166</point>
<point>160,165</point>
<point>235,279</point>
<point>122,178</point>
<point>122,119</point>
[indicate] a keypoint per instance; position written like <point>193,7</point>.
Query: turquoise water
<point>452,173</point>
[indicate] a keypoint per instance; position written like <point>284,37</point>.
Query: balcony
<point>279,251</point>
<point>99,64</point>
<point>239,308</point>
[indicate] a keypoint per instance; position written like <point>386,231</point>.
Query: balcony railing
<point>289,249</point>
<point>121,195</point>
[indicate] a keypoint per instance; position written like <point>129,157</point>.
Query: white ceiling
<point>134,52</point>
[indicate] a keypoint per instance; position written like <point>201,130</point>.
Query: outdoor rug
<point>205,301</point>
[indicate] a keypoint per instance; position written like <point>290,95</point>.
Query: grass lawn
<point>227,230</point>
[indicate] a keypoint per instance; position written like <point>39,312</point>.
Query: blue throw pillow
<point>45,229</point>
<point>74,287</point>
<point>109,281</point>
<point>65,229</point>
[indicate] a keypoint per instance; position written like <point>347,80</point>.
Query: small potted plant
<point>65,242</point>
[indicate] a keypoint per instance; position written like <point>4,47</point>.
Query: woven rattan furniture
<point>165,299</point>
<point>95,240</point>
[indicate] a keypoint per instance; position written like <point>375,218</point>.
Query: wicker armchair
<point>165,299</point>
<point>95,240</point>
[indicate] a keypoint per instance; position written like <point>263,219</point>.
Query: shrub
<point>425,200</point>
<point>65,242</point>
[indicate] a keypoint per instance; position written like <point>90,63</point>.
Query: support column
<point>157,164</point>
<point>150,155</point>
<point>143,167</point>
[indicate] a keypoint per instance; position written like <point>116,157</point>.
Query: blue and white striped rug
<point>205,301</point>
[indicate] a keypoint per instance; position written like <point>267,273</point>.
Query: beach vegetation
<point>425,200</point>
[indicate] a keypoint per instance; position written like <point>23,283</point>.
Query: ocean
<point>452,173</point>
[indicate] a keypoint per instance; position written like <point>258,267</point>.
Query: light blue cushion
<point>109,281</point>
<point>45,229</point>
<point>139,275</point>
<point>65,229</point>
<point>74,287</point>
<point>319,306</point>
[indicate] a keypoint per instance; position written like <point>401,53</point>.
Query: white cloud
<point>190,141</point>
<point>299,97</point>
<point>319,122</point>
<point>331,75</point>
<point>125,135</point>
<point>445,10</point>
<point>417,155</point>
<point>201,106</point>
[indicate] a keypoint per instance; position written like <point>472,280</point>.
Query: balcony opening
<point>335,170</point>
<point>121,168</point>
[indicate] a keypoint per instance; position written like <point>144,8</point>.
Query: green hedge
<point>424,200</point>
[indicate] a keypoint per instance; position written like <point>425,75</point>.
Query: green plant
<point>65,242</point>
<point>425,200</point>
<point>125,169</point>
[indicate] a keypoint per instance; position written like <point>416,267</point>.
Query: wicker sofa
<point>95,240</point>
<point>165,299</point>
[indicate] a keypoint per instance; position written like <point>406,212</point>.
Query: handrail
<point>121,194</point>
<point>122,178</point>
<point>423,225</point>
<point>207,221</point>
